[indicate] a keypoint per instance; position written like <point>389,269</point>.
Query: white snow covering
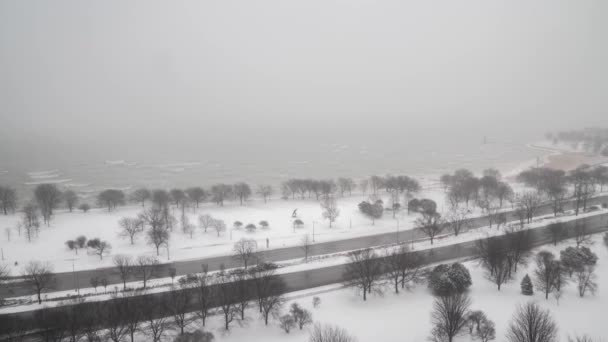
<point>50,245</point>
<point>406,317</point>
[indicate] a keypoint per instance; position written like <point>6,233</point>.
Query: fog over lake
<point>262,90</point>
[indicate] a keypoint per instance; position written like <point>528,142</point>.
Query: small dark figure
<point>295,213</point>
<point>267,242</point>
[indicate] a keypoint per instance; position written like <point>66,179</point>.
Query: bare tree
<point>155,324</point>
<point>99,247</point>
<point>158,237</point>
<point>219,226</point>
<point>74,322</point>
<point>197,195</point>
<point>205,221</point>
<point>245,251</point>
<point>178,305</point>
<point>177,196</point>
<point>430,223</point>
<point>529,202</point>
<point>111,198</point>
<point>146,267</point>
<point>203,293</point>
<point>271,303</point>
<point>51,325</point>
<point>486,331</point>
<point>329,333</point>
<point>160,198</point>
<point>265,191</point>
<point>402,266</point>
<point>546,272</point>
<point>532,324</point>
<point>286,322</point>
<point>449,316</point>
<point>131,227</point>
<point>330,209</point>
<point>346,185</point>
<point>40,276</point>
<point>241,290</point>
<point>495,260</point>
<point>266,286</point>
<point>115,320</point>
<point>584,187</point>
<point>305,245</point>
<point>363,185</point>
<point>48,198</point>
<point>363,271</point>
<point>518,246</point>
<point>225,296</point>
<point>71,199</point>
<point>8,199</point>
<point>220,193</point>
<point>122,263</point>
<point>30,221</point>
<point>557,232</point>
<point>586,280</point>
<point>242,191</point>
<point>141,196</point>
<point>581,234</point>
<point>457,220</point>
<point>300,315</point>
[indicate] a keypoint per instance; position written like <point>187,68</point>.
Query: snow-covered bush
<point>448,279</point>
<point>251,227</point>
<point>195,336</point>
<point>575,259</point>
<point>287,323</point>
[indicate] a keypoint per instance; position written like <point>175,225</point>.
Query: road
<point>68,280</point>
<point>302,280</point>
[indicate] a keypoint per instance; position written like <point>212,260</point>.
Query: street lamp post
<point>397,230</point>
<point>313,231</point>
<point>74,276</point>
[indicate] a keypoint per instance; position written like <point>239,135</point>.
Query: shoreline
<point>567,160</point>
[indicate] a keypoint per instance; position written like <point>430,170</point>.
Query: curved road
<point>330,275</point>
<point>68,280</point>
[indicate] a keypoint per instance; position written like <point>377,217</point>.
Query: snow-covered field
<point>406,317</point>
<point>285,266</point>
<point>99,223</point>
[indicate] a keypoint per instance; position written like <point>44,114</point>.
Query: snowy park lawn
<point>406,317</point>
<point>99,223</point>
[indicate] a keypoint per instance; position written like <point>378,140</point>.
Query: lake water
<point>257,162</point>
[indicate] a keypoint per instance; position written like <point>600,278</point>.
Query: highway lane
<point>302,280</point>
<point>68,280</point>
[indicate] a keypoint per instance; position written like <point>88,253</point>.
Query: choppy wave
<point>37,174</point>
<point>48,181</point>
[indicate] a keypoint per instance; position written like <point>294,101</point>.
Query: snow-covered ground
<point>57,298</point>
<point>406,317</point>
<point>99,223</point>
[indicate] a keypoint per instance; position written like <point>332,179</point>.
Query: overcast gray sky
<point>82,70</point>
